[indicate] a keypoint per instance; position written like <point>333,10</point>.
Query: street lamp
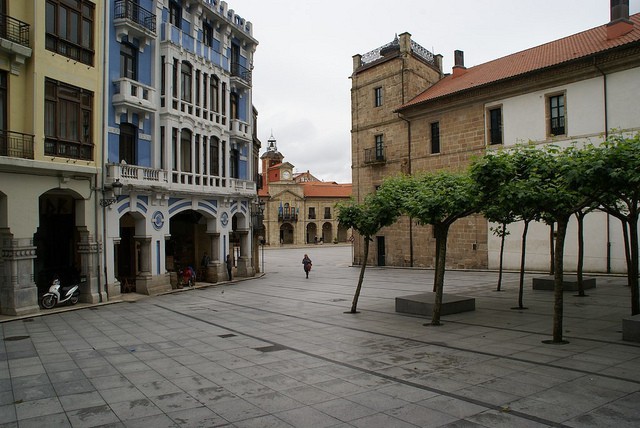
<point>116,190</point>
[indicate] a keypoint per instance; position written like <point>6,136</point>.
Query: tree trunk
<point>438,283</point>
<point>503,236</point>
<point>627,245</point>
<point>552,259</point>
<point>580,217</point>
<point>523,252</point>
<point>632,268</point>
<point>361,278</point>
<point>558,278</point>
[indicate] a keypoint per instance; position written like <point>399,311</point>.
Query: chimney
<point>458,63</point>
<point>620,23</point>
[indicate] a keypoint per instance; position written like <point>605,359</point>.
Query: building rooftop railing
<point>14,30</point>
<point>418,50</point>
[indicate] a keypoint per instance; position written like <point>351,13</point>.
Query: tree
<point>506,194</point>
<point>609,173</point>
<point>367,219</point>
<point>437,199</point>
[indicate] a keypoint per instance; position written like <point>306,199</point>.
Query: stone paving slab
<point>280,351</point>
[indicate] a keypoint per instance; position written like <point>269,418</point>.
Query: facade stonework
<point>447,122</point>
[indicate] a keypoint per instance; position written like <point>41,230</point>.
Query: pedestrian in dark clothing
<point>229,265</point>
<point>306,264</point>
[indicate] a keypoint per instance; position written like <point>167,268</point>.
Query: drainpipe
<point>105,146</point>
<point>606,137</point>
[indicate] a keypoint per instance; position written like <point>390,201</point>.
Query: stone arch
<point>327,232</point>
<point>286,233</point>
<point>312,233</point>
<point>343,233</point>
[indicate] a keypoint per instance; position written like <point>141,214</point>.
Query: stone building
<point>299,208</point>
<point>409,117</point>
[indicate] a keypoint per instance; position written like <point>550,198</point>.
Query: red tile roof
<point>560,51</point>
<point>320,189</point>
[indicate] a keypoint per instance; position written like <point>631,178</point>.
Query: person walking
<point>306,264</point>
<point>229,265</point>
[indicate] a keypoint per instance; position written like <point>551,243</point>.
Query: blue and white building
<point>179,158</point>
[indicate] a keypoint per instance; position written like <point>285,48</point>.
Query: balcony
<point>240,130</point>
<point>16,144</point>
<point>132,21</point>
<point>129,95</point>
<point>374,156</point>
<point>288,215</point>
<point>240,75</point>
<point>137,176</point>
<point>14,41</point>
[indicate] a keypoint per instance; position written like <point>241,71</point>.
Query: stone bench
<point>631,328</point>
<point>422,304</point>
<point>569,283</point>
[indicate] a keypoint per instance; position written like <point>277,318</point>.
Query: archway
<point>343,233</point>
<point>188,240</point>
<point>286,233</point>
<point>327,232</point>
<point>127,255</point>
<point>312,233</point>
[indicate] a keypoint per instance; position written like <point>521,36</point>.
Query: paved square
<point>280,351</point>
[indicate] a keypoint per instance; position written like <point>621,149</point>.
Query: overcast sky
<point>301,84</point>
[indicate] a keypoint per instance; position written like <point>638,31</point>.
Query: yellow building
<point>50,149</point>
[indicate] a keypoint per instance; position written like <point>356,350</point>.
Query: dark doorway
<point>55,240</point>
<point>126,267</point>
<point>381,251</point>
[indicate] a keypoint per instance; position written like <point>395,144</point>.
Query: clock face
<point>286,175</point>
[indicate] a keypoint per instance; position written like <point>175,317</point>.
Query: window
<point>234,159</point>
<point>207,34</point>
<point>327,212</point>
<point>197,87</point>
<point>213,91</point>
<point>435,137</point>
<point>128,61</point>
<point>556,115</point>
<point>495,125</point>
<point>68,112</point>
<point>185,81</point>
<point>175,14</point>
<point>377,97</point>
<point>234,105</point>
<point>185,150</point>
<point>379,148</point>
<point>3,101</point>
<point>224,99</point>
<point>127,146</point>
<point>69,28</point>
<point>214,154</point>
<point>312,213</point>
<point>174,78</point>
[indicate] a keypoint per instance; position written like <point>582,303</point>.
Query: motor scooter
<point>58,295</point>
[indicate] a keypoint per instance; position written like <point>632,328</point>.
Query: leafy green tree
<point>367,219</point>
<point>437,199</point>
<point>609,173</point>
<point>505,193</point>
<point>550,172</point>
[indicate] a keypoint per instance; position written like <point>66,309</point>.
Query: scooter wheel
<point>73,300</point>
<point>48,302</point>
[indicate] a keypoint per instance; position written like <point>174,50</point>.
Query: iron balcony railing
<point>374,155</point>
<point>238,70</point>
<point>16,144</point>
<point>127,9</point>
<point>14,30</point>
